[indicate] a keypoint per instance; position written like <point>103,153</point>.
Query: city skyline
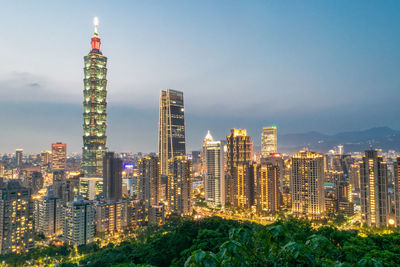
<point>264,60</point>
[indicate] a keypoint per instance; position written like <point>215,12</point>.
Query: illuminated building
<point>156,214</point>
<point>214,183</point>
<point>136,213</point>
<point>110,217</point>
<point>239,150</point>
<point>244,185</point>
<point>355,176</point>
<point>180,185</point>
<point>267,187</point>
<point>269,143</point>
<point>307,185</point>
<point>207,138</point>
<point>373,185</point>
<point>112,178</point>
<point>58,156</point>
<point>65,188</point>
<point>45,160</point>
<point>397,191</point>
<point>16,218</point>
<point>34,182</point>
<point>79,226</point>
<point>94,106</point>
<point>149,180</point>
<point>171,135</point>
<point>48,209</point>
<point>18,157</point>
<point>90,187</point>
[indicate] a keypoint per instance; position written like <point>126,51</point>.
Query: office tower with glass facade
<point>214,182</point>
<point>373,186</point>
<point>239,150</point>
<point>19,153</point>
<point>180,185</point>
<point>112,178</point>
<point>58,156</point>
<point>171,129</point>
<point>94,110</point>
<point>307,184</point>
<point>269,143</point>
<point>267,196</point>
<point>16,218</point>
<point>90,187</point>
<point>79,226</point>
<point>149,180</point>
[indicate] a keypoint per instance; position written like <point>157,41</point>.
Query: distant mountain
<point>379,137</point>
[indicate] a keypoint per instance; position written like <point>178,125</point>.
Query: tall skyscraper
<point>79,227</point>
<point>214,182</point>
<point>149,181</point>
<point>307,182</point>
<point>94,110</point>
<point>58,156</point>
<point>239,150</point>
<point>112,178</point>
<point>180,185</point>
<point>397,190</point>
<point>171,131</point>
<point>267,187</point>
<point>373,186</point>
<point>18,157</point>
<point>16,223</point>
<point>269,143</point>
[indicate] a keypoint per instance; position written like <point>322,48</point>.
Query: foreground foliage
<point>218,242</point>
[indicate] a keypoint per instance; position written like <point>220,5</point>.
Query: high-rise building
<point>180,185</point>
<point>112,178</point>
<point>307,184</point>
<point>214,182</point>
<point>16,218</point>
<point>269,142</point>
<point>58,156</point>
<point>267,187</point>
<point>49,215</point>
<point>149,180</point>
<point>94,110</point>
<point>157,214</point>
<point>244,185</point>
<point>136,213</point>
<point>397,191</point>
<point>19,156</point>
<point>171,131</point>
<point>239,149</point>
<point>373,186</point>
<point>79,226</point>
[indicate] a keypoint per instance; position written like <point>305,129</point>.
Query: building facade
<point>58,157</point>
<point>307,184</point>
<point>373,187</point>
<point>239,150</point>
<point>149,181</point>
<point>267,187</point>
<point>79,224</point>
<point>94,110</point>
<point>214,182</point>
<point>112,178</point>
<point>49,215</point>
<point>269,141</point>
<point>180,185</point>
<point>16,218</point>
<point>171,129</point>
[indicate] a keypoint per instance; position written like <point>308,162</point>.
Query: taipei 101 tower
<point>94,109</point>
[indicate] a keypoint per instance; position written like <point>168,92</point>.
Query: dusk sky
<point>327,66</point>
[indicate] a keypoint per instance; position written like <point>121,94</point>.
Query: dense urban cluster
<point>54,199</point>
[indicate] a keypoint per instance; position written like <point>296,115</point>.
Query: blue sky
<point>325,66</point>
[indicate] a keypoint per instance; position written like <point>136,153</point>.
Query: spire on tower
<point>95,39</point>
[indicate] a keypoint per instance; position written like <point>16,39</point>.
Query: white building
<point>269,143</point>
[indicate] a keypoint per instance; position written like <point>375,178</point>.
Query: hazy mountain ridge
<point>378,137</point>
